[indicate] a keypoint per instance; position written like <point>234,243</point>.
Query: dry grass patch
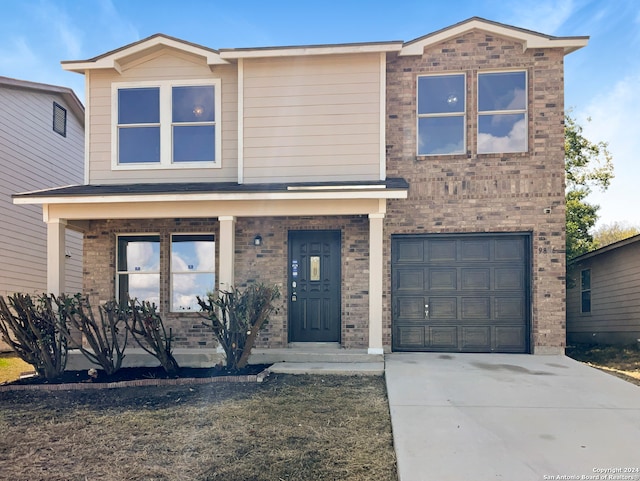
<point>288,428</point>
<point>622,361</point>
<point>11,366</point>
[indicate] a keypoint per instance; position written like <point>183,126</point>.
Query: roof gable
<point>528,38</point>
<point>69,96</point>
<point>119,59</point>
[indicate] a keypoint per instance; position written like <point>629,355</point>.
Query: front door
<point>314,286</point>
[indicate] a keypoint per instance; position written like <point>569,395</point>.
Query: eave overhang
<point>305,50</point>
<point>117,59</point>
<point>211,192</point>
<point>529,38</point>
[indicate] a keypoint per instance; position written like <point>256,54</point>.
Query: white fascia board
<point>257,196</point>
<point>112,61</point>
<point>310,50</point>
<point>530,40</point>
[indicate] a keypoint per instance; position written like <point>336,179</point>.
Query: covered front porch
<point>79,206</point>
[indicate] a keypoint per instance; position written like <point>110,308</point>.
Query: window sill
<point>180,166</point>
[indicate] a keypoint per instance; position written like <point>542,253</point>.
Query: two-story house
<point>403,195</point>
<point>41,146</point>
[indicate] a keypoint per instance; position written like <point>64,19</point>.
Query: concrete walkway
<point>510,417</point>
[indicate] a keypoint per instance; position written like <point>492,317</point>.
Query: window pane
<point>187,286</point>
<point>194,143</point>
<point>138,145</point>
<point>502,133</point>
<point>192,253</point>
<point>144,287</point>
<point>586,279</point>
<point>440,135</point>
<point>139,106</point>
<point>442,94</point>
<point>502,91</point>
<point>586,301</point>
<point>193,104</point>
<point>139,253</point>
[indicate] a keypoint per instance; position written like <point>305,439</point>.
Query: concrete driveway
<point>510,417</point>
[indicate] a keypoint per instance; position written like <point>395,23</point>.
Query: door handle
<point>426,311</point>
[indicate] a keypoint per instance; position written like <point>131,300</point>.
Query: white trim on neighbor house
<point>166,134</point>
<point>528,38</point>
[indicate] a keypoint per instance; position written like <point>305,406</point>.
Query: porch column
<point>376,254</point>
<point>56,256</point>
<point>227,251</point>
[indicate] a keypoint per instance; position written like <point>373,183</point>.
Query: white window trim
<point>166,137</point>
<point>524,111</point>
<point>119,272</point>
<point>171,273</point>
<point>462,114</point>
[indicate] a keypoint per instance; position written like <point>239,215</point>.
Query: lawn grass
<point>11,366</point>
<point>287,428</point>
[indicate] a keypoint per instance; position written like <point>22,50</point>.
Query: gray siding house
<point>603,295</point>
<point>41,146</point>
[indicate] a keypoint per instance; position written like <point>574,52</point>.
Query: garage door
<point>464,293</point>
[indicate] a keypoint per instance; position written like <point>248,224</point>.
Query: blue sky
<point>602,80</point>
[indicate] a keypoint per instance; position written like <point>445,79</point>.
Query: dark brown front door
<point>314,286</point>
<point>464,293</point>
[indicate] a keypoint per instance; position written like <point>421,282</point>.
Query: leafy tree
<point>588,165</point>
<point>610,233</point>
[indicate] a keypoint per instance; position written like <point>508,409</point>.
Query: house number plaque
<point>314,269</point>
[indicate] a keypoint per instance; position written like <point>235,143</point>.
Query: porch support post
<point>227,251</point>
<point>56,256</point>
<point>376,254</point>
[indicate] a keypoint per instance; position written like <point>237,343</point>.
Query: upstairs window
<point>59,119</point>
<point>167,125</point>
<point>502,112</point>
<point>441,114</point>
<point>585,291</point>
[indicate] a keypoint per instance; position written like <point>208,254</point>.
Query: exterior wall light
<point>257,240</point>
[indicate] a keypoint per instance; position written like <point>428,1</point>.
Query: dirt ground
<point>623,362</point>
<point>286,428</point>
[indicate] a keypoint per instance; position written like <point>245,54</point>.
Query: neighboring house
<point>403,195</point>
<point>603,295</point>
<point>41,146</point>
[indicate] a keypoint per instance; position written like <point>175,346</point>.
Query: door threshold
<point>314,345</point>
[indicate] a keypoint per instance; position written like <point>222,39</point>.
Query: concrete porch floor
<point>297,358</point>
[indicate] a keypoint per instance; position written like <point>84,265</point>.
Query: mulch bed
<point>139,376</point>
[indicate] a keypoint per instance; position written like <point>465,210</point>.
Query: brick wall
<point>266,264</point>
<point>100,269</point>
<point>486,192</point>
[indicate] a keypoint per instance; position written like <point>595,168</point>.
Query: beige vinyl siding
<point>615,296</point>
<point>164,65</point>
<point>312,118</point>
<point>33,156</point>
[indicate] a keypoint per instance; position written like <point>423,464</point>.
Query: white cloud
<point>514,141</point>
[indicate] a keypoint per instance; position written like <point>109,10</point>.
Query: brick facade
<point>485,192</point>
<point>264,264</point>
